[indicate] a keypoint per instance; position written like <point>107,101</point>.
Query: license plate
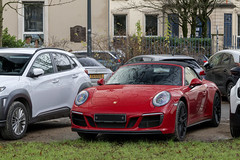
<point>117,118</point>
<point>96,76</point>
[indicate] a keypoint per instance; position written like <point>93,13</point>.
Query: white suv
<point>36,85</point>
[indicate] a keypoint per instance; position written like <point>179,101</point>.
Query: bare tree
<point>187,10</point>
<point>12,4</point>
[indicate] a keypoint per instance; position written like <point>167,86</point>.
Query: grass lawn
<point>125,149</point>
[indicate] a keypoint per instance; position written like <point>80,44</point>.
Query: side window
<point>147,59</point>
<point>72,62</point>
<point>189,75</point>
<point>225,59</point>
<point>232,62</point>
<point>215,60</point>
<point>102,56</point>
<point>44,62</point>
<point>62,62</point>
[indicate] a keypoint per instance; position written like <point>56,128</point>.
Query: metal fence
<point>133,46</point>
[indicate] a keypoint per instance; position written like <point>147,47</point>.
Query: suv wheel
<point>229,87</point>
<point>235,132</point>
<point>16,122</point>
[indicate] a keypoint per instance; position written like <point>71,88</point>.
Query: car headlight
<point>81,98</point>
<point>2,88</point>
<point>161,99</point>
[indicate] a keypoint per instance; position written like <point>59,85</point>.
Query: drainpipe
<point>89,29</point>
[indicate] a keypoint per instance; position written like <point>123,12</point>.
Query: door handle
<point>74,76</point>
<point>55,81</point>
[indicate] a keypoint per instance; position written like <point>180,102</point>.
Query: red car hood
<point>122,98</point>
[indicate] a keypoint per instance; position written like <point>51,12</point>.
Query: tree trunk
<point>204,28</point>
<point>193,27</point>
<point>184,28</point>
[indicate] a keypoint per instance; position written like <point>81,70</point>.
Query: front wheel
<point>16,122</point>
<point>181,122</point>
<point>216,114</point>
<point>229,87</point>
<point>235,132</point>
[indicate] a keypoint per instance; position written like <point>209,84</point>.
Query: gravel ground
<point>60,129</point>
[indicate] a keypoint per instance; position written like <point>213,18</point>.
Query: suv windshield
<point>86,62</point>
<point>13,64</point>
<point>151,74</point>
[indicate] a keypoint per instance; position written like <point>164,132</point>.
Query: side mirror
<point>36,72</point>
<point>195,82</point>
<point>206,65</point>
<point>101,82</point>
<point>235,71</point>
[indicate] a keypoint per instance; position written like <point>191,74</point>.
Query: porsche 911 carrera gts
<point>147,98</point>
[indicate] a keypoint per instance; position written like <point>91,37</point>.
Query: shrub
<point>10,41</point>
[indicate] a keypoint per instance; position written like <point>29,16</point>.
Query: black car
<point>220,70</point>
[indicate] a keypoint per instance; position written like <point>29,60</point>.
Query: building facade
<point>66,24</point>
<point>53,24</point>
<point>223,23</point>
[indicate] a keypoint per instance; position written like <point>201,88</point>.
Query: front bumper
<point>115,132</point>
<point>151,123</point>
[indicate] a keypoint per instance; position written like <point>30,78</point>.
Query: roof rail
<point>39,49</point>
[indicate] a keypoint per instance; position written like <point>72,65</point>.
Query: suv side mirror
<point>36,72</point>
<point>101,82</point>
<point>195,82</point>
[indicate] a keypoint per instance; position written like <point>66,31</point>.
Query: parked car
<point>218,70</point>
<point>36,85</point>
<point>235,110</point>
<point>94,69</point>
<point>167,57</point>
<point>104,57</point>
<point>147,98</point>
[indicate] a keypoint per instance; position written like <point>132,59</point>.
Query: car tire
<point>235,132</point>
<point>216,115</point>
<point>16,122</point>
<point>229,87</point>
<point>88,136</point>
<point>181,122</point>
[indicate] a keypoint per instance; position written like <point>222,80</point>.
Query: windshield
<point>191,62</point>
<point>151,74</point>
<point>88,62</point>
<point>13,64</point>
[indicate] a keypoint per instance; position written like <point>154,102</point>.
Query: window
<point>33,22</point>
<point>151,25</point>
<point>174,24</point>
<point>73,62</point>
<point>189,75</point>
<point>119,25</point>
<point>215,60</point>
<point>238,37</point>
<point>62,62</point>
<point>199,28</point>
<point>44,62</point>
<point>13,63</point>
<point>89,62</point>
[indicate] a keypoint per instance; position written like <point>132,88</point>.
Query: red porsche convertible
<point>147,98</point>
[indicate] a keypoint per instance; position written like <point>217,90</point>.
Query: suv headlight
<point>81,97</point>
<point>161,99</point>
